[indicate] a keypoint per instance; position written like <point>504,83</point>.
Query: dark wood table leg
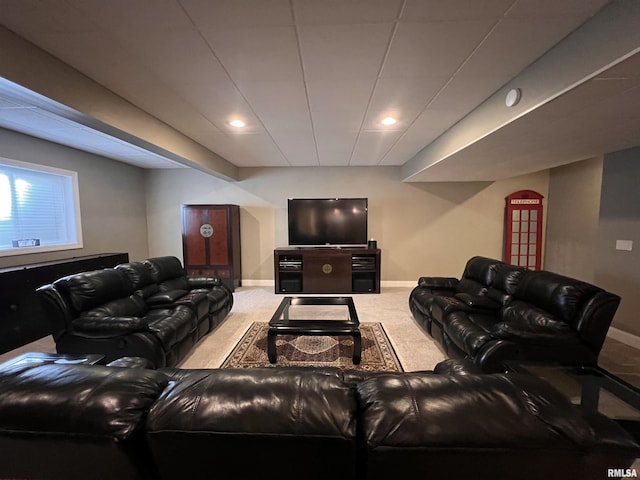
<point>357,347</point>
<point>271,346</point>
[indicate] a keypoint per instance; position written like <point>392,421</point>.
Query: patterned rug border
<point>390,362</point>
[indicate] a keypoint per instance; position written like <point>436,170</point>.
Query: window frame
<point>78,244</point>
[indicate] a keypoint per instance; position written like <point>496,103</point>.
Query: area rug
<point>315,351</point>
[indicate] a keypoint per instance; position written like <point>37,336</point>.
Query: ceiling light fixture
<point>513,97</point>
<point>237,123</point>
<point>388,121</point>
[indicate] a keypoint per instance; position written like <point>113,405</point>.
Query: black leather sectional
<point>149,309</point>
<point>79,421</point>
<point>496,312</point>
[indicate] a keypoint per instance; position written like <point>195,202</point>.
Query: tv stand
<point>326,270</point>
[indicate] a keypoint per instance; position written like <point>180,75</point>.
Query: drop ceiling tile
<point>516,43</point>
<point>347,120</point>
<point>335,147</point>
<point>280,104</point>
<point>207,14</point>
<point>373,120</point>
<point>221,103</point>
<point>350,94</point>
<point>446,10</point>
<point>257,53</point>
<point>414,139</point>
<point>297,145</point>
<point>343,51</point>
<point>417,48</point>
<point>261,146</point>
<point>148,15</point>
<point>464,93</point>
<point>164,54</point>
<point>405,94</point>
<point>250,150</point>
<point>313,12</point>
<point>371,147</point>
<point>32,16</point>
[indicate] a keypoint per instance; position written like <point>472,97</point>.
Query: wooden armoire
<point>211,242</point>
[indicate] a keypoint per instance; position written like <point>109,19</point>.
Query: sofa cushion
<point>214,419</point>
<point>560,296</point>
<point>168,273</point>
<point>131,306</point>
<point>472,426</point>
<point>526,323</point>
<point>171,325</point>
<point>461,328</point>
<point>90,289</point>
<point>72,400</point>
<point>140,276</point>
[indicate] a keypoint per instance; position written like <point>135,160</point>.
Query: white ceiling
<point>313,78</point>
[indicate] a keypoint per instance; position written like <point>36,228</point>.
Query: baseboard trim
<point>258,283</point>
<point>386,283</point>
<point>624,337</point>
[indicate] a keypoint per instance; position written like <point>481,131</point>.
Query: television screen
<point>327,221</point>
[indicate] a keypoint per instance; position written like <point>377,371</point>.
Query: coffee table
<point>592,387</point>
<point>321,316</point>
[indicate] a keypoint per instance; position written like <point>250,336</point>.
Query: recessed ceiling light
<point>388,121</point>
<point>237,123</point>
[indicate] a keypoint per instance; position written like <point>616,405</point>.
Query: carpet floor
<point>315,351</point>
<point>414,348</point>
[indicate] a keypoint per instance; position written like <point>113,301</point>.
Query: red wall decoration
<point>523,229</point>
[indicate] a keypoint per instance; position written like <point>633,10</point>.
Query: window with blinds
<point>39,209</point>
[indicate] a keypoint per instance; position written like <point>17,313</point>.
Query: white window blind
<point>38,209</point>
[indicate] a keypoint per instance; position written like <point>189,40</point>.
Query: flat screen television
<point>327,221</point>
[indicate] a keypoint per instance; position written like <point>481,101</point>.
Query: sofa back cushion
<point>168,273</point>
<point>478,274</point>
<point>75,421</point>
<point>560,296</point>
<point>87,290</point>
<point>471,426</point>
<point>238,421</point>
<point>141,277</point>
<point>504,283</point>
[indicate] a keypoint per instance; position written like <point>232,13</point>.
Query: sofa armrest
<point>107,327</point>
<point>202,281</point>
<point>477,301</point>
<point>166,297</point>
<point>440,283</point>
<point>132,362</point>
<point>548,332</point>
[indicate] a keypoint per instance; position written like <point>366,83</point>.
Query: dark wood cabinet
<point>211,242</point>
<point>22,318</point>
<point>326,270</point>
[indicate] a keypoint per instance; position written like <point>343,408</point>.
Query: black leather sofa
<point>149,309</point>
<point>498,312</point>
<point>80,421</point>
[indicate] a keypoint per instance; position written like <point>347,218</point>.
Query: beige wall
<point>572,219</point>
<point>422,229</point>
<point>112,200</point>
<point>619,270</point>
